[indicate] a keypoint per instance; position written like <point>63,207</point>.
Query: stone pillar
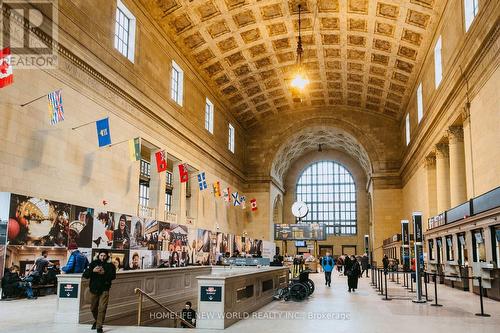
<point>430,166</point>
<point>178,196</point>
<point>442,177</point>
<point>458,189</point>
<point>157,184</point>
<point>468,156</point>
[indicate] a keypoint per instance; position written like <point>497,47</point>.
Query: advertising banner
<point>303,231</point>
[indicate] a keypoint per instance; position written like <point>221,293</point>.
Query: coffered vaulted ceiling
<point>363,54</point>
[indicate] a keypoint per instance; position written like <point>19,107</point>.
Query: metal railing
<point>143,294</point>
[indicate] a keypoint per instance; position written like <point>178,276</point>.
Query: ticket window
<point>495,236</point>
<point>439,248</point>
<point>450,255</point>
<point>462,250</point>
<point>431,249</point>
<point>478,247</point>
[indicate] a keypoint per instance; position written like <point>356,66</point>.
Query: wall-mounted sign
<point>302,231</point>
<point>68,290</point>
<point>211,294</point>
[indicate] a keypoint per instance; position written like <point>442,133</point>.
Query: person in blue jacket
<point>327,263</point>
<point>77,263</point>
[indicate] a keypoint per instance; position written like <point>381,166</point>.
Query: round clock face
<point>300,209</point>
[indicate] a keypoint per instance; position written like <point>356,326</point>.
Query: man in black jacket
<point>100,272</point>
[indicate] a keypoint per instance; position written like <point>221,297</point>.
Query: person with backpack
<point>327,263</point>
<point>77,263</point>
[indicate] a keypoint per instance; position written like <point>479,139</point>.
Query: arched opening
<point>329,190</point>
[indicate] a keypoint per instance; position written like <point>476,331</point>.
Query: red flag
<point>6,74</point>
<point>183,173</point>
<point>253,204</point>
<point>161,161</point>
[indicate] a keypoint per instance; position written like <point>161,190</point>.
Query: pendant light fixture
<point>300,80</point>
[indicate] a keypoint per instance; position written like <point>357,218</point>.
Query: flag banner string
<point>117,143</point>
<point>36,99</point>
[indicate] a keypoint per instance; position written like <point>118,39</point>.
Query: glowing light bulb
<point>300,81</point>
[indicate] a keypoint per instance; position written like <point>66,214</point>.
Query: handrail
<point>143,293</point>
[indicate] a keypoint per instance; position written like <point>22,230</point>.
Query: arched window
<point>329,191</point>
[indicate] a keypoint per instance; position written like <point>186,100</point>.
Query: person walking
<point>100,272</point>
<point>385,262</point>
<point>327,263</point>
<point>353,274</point>
<point>347,264</point>
<point>340,263</point>
<point>364,264</point>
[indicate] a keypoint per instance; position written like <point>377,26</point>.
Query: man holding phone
<point>100,272</point>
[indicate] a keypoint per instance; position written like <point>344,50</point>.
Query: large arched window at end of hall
<point>329,191</point>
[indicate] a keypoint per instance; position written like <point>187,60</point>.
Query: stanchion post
<point>385,282</point>
<point>411,284</point>
<point>482,314</point>
<point>426,276</point>
<point>397,277</point>
<point>435,292</point>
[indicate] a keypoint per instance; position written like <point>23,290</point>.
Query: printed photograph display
<point>38,222</point>
<point>80,227</point>
<point>121,233</point>
<point>119,258</point>
<point>151,231</point>
<point>137,229</point>
<point>102,233</point>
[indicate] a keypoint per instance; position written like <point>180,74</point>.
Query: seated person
<point>13,286</point>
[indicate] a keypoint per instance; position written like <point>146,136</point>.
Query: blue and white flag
<point>243,201</point>
<point>236,199</point>
<point>103,133</point>
<point>202,182</point>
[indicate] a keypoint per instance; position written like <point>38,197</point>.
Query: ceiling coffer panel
<point>378,45</point>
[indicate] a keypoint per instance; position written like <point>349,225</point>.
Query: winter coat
<point>100,282</point>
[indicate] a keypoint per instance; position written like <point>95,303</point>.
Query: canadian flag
<point>253,204</point>
<point>6,74</point>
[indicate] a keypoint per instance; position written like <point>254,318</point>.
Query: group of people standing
<point>346,265</point>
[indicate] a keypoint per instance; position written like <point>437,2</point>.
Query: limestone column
<point>458,189</point>
<point>442,177</point>
<point>157,184</point>
<point>178,196</point>
<point>468,156</point>
<point>430,167</point>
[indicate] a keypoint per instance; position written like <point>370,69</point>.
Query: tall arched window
<point>329,191</point>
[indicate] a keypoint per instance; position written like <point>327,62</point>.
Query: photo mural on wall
<point>135,243</point>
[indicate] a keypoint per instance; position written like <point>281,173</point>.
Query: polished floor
<point>328,310</point>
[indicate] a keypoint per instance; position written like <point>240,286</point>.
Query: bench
<point>43,287</point>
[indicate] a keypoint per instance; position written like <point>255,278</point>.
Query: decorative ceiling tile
<point>356,40</point>
<point>356,55</point>
<point>276,29</point>
<point>194,41</point>
<point>407,52</point>
<point>357,6</point>
<point>257,99</point>
<point>305,25</point>
<point>400,77</point>
<point>214,69</point>
<point>227,44</point>
<point>397,88</point>
<point>330,23</point>
<point>236,99</point>
<point>376,81</point>
<point>380,59</point>
<point>235,58</point>
<point>355,87</point>
<point>253,91</point>
<point>357,25</point>
<point>251,35</point>
<point>387,11</point>
<point>411,37</point>
<point>231,4</point>
<point>267,74</point>
<point>242,70</point>
<point>328,6</point>
<point>270,12</point>
<point>378,70</point>
<point>333,65</point>
<point>354,77</point>
<point>354,66</point>
<point>229,90</point>
<point>204,55</point>
<point>424,3</point>
<point>181,23</point>
<point>285,57</point>
<point>417,18</point>
<point>264,62</point>
<point>207,10</point>
<point>382,45</point>
<point>244,18</point>
<point>222,80</point>
<point>257,50</point>
<point>375,91</point>
<point>280,44</point>
<point>331,53</point>
<point>404,66</point>
<point>218,28</point>
<point>248,81</point>
<point>384,29</point>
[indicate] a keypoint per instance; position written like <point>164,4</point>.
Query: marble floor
<point>328,310</point>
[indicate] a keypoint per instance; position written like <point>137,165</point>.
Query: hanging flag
<point>183,172</point>
<point>103,133</point>
<point>243,201</point>
<point>216,187</point>
<point>56,111</point>
<point>253,204</point>
<point>236,199</point>
<point>202,182</point>
<point>6,73</point>
<point>226,194</point>
<point>134,148</point>
<point>161,161</point>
